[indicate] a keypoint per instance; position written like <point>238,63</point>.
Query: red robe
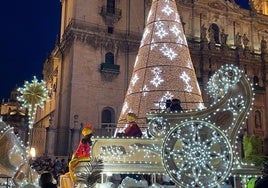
<point>83,150</point>
<point>133,130</point>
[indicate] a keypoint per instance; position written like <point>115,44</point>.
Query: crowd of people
<point>55,167</point>
<point>173,105</point>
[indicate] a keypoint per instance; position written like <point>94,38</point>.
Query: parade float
<point>195,148</point>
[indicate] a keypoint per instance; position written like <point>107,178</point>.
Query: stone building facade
<point>89,69</point>
<point>14,115</point>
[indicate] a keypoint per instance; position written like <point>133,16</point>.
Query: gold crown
<point>87,131</point>
<point>131,117</point>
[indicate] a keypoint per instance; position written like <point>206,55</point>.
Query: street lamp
<point>32,153</point>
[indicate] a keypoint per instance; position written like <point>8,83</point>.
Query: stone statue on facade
<point>263,45</point>
<point>245,40</point>
<point>223,37</point>
<point>238,38</point>
<point>203,33</point>
<point>211,35</point>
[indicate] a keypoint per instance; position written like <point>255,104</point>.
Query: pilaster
<point>50,140</point>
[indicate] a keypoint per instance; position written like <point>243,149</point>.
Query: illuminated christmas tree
<point>163,68</point>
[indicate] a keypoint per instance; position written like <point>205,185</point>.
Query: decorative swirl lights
<point>223,80</point>
<point>158,127</point>
<point>197,154</point>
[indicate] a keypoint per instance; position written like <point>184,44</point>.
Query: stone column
<point>50,140</point>
<point>74,134</point>
<point>264,59</point>
<point>75,137</point>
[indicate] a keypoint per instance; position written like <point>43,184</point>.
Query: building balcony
<point>110,15</point>
<point>109,71</point>
<point>110,68</point>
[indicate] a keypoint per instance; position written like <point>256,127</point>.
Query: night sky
<point>28,33</point>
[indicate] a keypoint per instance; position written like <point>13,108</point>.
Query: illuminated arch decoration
<point>196,148</point>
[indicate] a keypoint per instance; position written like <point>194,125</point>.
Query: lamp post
<point>32,153</point>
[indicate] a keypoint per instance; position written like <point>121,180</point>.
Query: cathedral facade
<point>89,70</point>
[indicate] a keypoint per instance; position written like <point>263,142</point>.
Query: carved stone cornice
<point>96,36</point>
<point>216,5</point>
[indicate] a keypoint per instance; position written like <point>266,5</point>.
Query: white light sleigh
<point>196,148</point>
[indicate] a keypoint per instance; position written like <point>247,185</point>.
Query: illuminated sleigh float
<point>196,148</point>
<point>15,170</point>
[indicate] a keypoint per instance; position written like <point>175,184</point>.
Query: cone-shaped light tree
<point>163,68</point>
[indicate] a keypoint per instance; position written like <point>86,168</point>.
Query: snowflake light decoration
<point>156,71</point>
<point>145,90</point>
<point>168,52</point>
<point>153,45</point>
<point>186,78</point>
<point>135,79</point>
<point>175,30</point>
<point>162,101</point>
<point>167,10</point>
<point>161,33</point>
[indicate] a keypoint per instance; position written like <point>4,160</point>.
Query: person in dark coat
<point>176,106</point>
<point>262,182</point>
<point>46,180</point>
<point>168,104</point>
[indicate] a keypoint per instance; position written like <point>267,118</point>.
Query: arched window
<point>111,6</point>
<point>107,117</point>
<point>109,58</point>
<point>108,121</point>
